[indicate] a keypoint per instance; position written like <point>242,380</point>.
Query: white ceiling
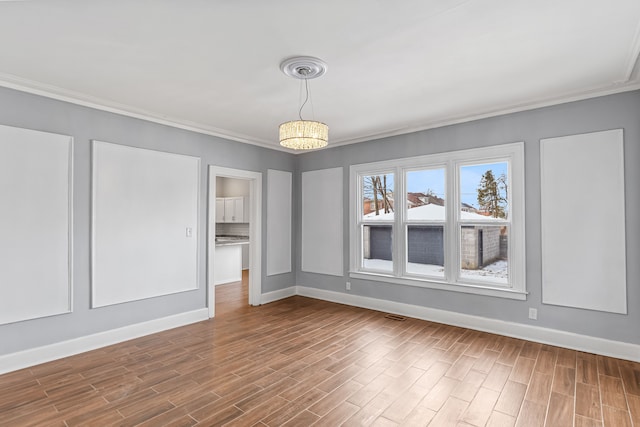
<point>393,66</point>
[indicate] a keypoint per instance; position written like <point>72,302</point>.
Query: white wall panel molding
<point>47,353</point>
<point>583,221</point>
<point>145,206</point>
<point>36,224</point>
<point>279,196</point>
<point>322,219</point>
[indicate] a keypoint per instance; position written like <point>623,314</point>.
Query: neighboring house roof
<point>419,199</point>
<point>429,212</point>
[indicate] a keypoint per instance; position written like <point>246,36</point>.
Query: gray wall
<point>616,111</point>
<point>84,124</point>
<point>609,112</point>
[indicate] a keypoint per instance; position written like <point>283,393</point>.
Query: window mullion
<point>357,234</point>
<point>400,241</point>
<point>451,240</point>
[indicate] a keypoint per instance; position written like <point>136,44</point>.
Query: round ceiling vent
<point>303,67</point>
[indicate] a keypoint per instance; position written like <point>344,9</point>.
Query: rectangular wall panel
<point>583,221</point>
<point>322,216</point>
<point>35,224</point>
<point>278,222</point>
<point>145,223</point>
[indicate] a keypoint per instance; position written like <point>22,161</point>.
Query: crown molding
<point>499,111</point>
<point>54,92</point>
<point>633,60</point>
<point>77,98</point>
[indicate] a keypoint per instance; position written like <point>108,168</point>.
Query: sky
<point>434,179</point>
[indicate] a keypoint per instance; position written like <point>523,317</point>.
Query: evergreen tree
<point>490,198</point>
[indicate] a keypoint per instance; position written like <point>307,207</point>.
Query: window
<point>377,221</point>
<point>424,222</point>
<point>457,222</point>
<point>483,222</point>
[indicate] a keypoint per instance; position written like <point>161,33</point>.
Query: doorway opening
<point>235,213</point>
<point>232,297</point>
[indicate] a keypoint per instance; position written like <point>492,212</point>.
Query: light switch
<point>189,231</point>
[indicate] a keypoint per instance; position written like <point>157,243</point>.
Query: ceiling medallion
<point>303,67</point>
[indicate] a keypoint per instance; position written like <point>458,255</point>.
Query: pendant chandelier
<point>304,134</point>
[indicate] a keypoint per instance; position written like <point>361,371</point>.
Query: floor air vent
<point>395,317</point>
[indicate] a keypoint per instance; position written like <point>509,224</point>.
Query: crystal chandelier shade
<point>304,135</point>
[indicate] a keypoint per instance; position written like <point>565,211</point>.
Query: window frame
<point>406,222</point>
<point>363,223</point>
<point>459,222</point>
<point>513,153</point>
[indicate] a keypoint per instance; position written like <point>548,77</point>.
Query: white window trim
<point>513,152</point>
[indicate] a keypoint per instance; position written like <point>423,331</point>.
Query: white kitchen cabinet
<point>231,209</point>
<point>228,264</point>
<point>245,210</point>
<point>219,209</point>
<point>234,209</point>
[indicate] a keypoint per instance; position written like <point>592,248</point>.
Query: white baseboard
<point>47,353</point>
<point>278,295</point>
<point>617,349</point>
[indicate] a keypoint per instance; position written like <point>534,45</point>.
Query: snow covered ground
<point>429,212</point>
<point>378,264</point>
<point>425,269</point>
<point>497,272</point>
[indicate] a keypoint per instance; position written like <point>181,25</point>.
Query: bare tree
<point>376,188</point>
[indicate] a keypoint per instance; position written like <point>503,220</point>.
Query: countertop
<point>231,240</point>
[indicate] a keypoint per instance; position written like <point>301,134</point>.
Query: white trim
<point>279,220</point>
<point>277,295</point>
<point>634,56</point>
<point>23,359</point>
<point>77,98</point>
<point>255,232</point>
<point>95,169</point>
<point>554,337</point>
<point>71,222</point>
<point>322,247</point>
<point>430,283</point>
<point>513,153</point>
<point>53,92</point>
<point>24,135</point>
<point>596,92</point>
<point>571,159</point>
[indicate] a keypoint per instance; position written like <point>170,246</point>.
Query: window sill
<point>444,286</point>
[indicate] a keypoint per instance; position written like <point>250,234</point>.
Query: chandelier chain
<point>306,86</point>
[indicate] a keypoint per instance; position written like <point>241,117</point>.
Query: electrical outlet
<point>533,313</point>
<point>348,286</point>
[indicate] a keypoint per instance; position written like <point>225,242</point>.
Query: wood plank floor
<point>302,362</point>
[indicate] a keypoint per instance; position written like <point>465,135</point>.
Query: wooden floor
<point>303,362</point>
<point>232,297</point>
